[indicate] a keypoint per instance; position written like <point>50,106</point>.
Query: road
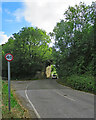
<point>48,99</point>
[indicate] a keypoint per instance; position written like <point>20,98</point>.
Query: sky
<point>44,14</point>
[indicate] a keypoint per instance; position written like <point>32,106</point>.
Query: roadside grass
<point>0,98</point>
<point>84,83</point>
<point>17,110</point>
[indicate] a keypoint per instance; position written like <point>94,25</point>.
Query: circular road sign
<point>9,57</point>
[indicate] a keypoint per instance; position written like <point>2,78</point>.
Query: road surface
<point>48,99</point>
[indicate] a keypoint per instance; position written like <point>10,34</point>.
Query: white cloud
<point>45,13</point>
<point>41,13</point>
<point>12,0</point>
<point>3,38</point>
<point>9,20</point>
<point>19,13</point>
<point>0,9</point>
<point>7,11</point>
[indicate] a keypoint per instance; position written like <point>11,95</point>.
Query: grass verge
<point>17,110</point>
<point>84,83</point>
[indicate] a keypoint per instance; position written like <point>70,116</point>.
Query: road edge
<point>37,114</point>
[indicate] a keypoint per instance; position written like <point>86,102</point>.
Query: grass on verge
<point>17,110</point>
<point>84,83</point>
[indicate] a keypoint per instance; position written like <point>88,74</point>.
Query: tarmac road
<point>48,99</point>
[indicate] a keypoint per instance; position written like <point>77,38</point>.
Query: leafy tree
<point>74,41</point>
<point>30,50</point>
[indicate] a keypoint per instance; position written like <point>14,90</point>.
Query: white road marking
<point>37,114</point>
<point>65,96</point>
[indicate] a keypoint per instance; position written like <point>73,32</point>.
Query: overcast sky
<point>43,14</point>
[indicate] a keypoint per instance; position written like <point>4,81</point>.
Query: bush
<point>82,82</point>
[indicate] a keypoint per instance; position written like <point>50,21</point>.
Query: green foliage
<point>16,110</point>
<point>5,94</point>
<point>73,50</point>
<point>30,50</point>
<point>81,82</point>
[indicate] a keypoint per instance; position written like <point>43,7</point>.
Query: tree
<point>30,50</point>
<point>74,41</point>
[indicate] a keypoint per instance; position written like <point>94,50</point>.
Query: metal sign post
<point>9,84</point>
<point>9,57</point>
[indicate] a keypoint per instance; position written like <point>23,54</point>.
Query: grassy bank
<point>83,83</point>
<point>0,98</point>
<point>17,110</point>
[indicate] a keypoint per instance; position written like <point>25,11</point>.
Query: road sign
<point>9,57</point>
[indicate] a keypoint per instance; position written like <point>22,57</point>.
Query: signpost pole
<point>9,57</point>
<point>9,83</point>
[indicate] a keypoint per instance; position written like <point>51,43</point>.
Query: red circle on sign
<point>7,58</point>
